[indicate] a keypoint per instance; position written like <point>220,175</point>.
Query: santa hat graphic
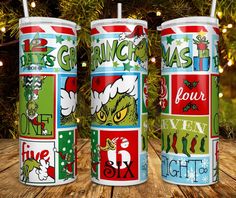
<point>69,97</point>
<point>105,88</point>
<point>138,34</point>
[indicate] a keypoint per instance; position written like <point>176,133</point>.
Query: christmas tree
<point>83,12</point>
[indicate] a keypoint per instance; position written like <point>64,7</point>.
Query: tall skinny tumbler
<point>119,102</point>
<point>48,73</point>
<point>189,101</point>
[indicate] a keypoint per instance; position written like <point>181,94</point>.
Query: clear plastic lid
<point>203,20</point>
<point>46,20</point>
<point>118,21</point>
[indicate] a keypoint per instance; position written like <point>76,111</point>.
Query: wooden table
<point>83,187</point>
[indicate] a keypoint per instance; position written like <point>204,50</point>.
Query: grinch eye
<point>101,116</point>
<point>120,115</point>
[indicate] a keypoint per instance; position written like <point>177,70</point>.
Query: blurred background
<point>83,12</point>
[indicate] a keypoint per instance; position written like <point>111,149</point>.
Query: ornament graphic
<point>114,100</point>
<point>119,155</point>
<point>164,93</point>
<point>202,61</point>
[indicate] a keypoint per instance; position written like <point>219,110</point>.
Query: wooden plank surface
<point>228,157</point>
<point>83,187</point>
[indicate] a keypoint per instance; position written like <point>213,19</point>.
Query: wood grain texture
<point>228,157</point>
<point>84,188</point>
<point>4,143</point>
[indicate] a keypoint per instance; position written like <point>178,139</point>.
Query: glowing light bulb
<point>230,25</point>
<point>224,30</point>
<point>158,13</point>
<point>84,64</point>
<point>221,70</point>
<point>77,120</point>
<point>219,14</point>
<point>33,4</point>
<point>1,63</point>
<point>3,29</point>
<point>221,95</point>
<point>230,63</point>
<point>153,59</point>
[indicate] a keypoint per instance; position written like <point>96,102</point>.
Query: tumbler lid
<point>203,20</point>
<point>118,21</point>
<point>45,20</point>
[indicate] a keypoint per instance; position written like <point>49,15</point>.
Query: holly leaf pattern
<point>191,85</point>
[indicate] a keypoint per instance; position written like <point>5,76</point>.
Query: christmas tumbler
<point>119,102</point>
<point>48,130</point>
<point>189,101</point>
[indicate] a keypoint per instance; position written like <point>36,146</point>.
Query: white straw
<point>213,8</point>
<point>119,10</point>
<point>25,6</point>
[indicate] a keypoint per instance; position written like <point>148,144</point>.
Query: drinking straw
<point>119,10</point>
<point>25,6</point>
<point>213,8</point>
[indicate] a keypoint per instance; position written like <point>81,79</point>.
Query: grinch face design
<point>32,108</point>
<point>114,100</point>
<point>120,110</point>
<point>141,50</point>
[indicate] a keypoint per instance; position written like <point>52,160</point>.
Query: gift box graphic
<point>201,64</point>
<point>202,61</point>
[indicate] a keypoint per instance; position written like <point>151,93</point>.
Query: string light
<point>219,14</point>
<point>158,13</point>
<point>3,29</point>
<point>230,25</point>
<point>84,64</point>
<point>230,63</point>
<point>1,63</point>
<point>77,120</point>
<point>221,95</point>
<point>224,30</point>
<point>153,59</point>
<point>33,4</point>
<point>221,70</point>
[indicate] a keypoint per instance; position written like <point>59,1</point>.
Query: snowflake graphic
<point>191,175</point>
<point>183,161</point>
<point>145,164</point>
<point>205,179</point>
<point>205,163</point>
